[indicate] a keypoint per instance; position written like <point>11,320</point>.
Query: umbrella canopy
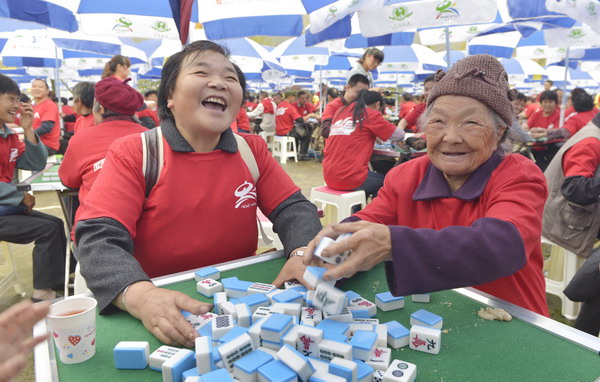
<point>575,77</point>
<point>454,55</point>
<point>584,11</point>
<point>39,12</point>
<point>131,18</point>
<point>299,60</point>
<point>521,68</point>
<point>410,58</point>
<point>498,44</point>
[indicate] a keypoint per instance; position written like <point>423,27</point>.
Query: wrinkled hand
<point>370,244</point>
<point>16,325</point>
<point>26,116</point>
<point>28,201</point>
<point>538,132</point>
<point>159,311</point>
<point>293,269</point>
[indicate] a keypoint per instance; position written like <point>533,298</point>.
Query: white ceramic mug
<point>72,323</point>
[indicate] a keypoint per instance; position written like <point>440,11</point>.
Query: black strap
<point>151,174</point>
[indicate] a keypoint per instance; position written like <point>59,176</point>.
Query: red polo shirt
<point>412,116</point>
<point>48,111</point>
<point>84,157</point>
<point>332,107</point>
<point>187,221</point>
<point>84,121</point>
<point>578,120</point>
<point>537,119</point>
<point>405,108</point>
<point>304,110</point>
<point>285,116</point>
<point>349,147</point>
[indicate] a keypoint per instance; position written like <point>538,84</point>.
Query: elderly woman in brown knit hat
<point>465,214</point>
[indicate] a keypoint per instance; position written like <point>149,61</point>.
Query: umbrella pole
<point>563,101</point>
<point>57,88</point>
<point>320,90</point>
<point>396,104</point>
<point>448,60</point>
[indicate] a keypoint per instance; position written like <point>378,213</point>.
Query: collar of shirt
<point>178,143</point>
<point>5,131</point>
<point>434,185</point>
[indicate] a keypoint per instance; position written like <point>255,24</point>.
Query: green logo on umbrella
<point>161,26</point>
<point>576,33</point>
<point>591,9</point>
<point>400,13</point>
<point>123,22</point>
<point>445,7</point>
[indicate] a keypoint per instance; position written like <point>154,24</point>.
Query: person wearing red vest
<point>355,84</point>
<point>202,209</point>
<point>350,144</point>
<point>19,223</point>
<point>46,120</point>
<point>465,214</point>
<point>116,103</point>
<point>406,105</point>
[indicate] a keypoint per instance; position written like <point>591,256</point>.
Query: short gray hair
<point>497,122</point>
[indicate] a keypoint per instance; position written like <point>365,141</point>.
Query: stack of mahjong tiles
<point>260,333</point>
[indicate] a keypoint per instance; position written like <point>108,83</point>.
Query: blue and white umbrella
<point>410,59</point>
<point>298,59</point>
<point>498,44</point>
<point>454,55</point>
<point>575,77</point>
<point>518,69</point>
<point>39,13</point>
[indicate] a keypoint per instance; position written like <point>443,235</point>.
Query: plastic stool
<point>269,137</point>
<point>267,226</point>
<point>8,271</point>
<point>559,269</point>
<point>284,147</point>
<point>343,200</point>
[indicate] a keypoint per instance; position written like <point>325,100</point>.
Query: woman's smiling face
<point>460,136</point>
<point>207,94</point>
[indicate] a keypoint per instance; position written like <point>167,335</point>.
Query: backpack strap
<point>152,157</point>
<point>248,157</point>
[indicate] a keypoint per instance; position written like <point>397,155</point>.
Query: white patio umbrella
<point>519,69</point>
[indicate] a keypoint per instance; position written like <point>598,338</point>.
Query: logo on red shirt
<point>246,193</point>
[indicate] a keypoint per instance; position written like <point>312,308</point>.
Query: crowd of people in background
<point>122,227</point>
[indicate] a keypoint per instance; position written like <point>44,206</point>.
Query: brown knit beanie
<point>481,77</point>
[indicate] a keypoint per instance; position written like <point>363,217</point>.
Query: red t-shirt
<point>250,105</point>
<point>515,193</point>
<point>83,122</point>
<point>412,117</point>
<point>405,108</point>
<point>242,121</point>
<point>268,106</point>
<point>537,119</point>
<point>10,150</point>
<point>569,111</point>
<point>285,116</point>
<point>187,222</point>
<point>332,107</point>
<point>68,110</point>
<point>305,109</point>
<point>531,108</point>
<point>578,120</point>
<point>48,111</point>
<point>349,147</point>
<point>582,159</point>
<point>84,157</point>
<point>147,112</point>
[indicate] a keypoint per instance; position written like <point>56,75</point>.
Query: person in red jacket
<point>465,214</point>
<point>46,120</point>
<point>583,104</point>
<point>286,117</point>
<point>541,124</point>
<point>409,122</point>
<point>350,144</point>
<point>241,124</point>
<point>115,103</point>
<point>406,105</point>
<point>83,103</point>
<point>205,192</point>
<point>19,223</point>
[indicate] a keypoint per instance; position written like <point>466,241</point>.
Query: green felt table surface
<point>473,349</point>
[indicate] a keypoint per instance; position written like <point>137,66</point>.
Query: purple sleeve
<point>428,260</point>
